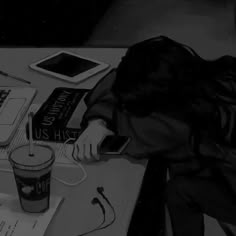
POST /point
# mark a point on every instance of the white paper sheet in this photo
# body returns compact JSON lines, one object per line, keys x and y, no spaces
{"x":15,"y":222}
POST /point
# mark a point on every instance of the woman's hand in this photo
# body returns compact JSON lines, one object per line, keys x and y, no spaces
{"x":87,"y":145}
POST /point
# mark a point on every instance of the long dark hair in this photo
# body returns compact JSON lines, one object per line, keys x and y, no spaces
{"x":162,"y":75}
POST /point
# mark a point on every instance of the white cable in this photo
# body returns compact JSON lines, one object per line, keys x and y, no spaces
{"x":56,"y":178}
{"x":74,"y":162}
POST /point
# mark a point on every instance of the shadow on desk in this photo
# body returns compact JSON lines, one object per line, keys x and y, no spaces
{"x":148,"y":217}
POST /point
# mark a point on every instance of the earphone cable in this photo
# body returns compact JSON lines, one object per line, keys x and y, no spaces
{"x":63,"y":150}
{"x":112,"y":208}
{"x":99,"y":226}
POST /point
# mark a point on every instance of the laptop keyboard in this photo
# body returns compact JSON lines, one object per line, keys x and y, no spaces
{"x":3,"y":95}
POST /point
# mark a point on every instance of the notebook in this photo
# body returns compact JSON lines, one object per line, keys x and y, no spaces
{"x":14,"y":103}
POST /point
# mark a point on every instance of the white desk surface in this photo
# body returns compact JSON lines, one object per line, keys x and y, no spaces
{"x":16,"y":61}
{"x":121,"y":177}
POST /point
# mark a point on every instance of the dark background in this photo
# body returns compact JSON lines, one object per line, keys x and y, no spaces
{"x":49,"y":22}
{"x":117,"y":23}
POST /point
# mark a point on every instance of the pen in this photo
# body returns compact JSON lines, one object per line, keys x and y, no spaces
{"x":14,"y":77}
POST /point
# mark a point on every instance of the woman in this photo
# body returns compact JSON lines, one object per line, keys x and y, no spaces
{"x":178,"y":107}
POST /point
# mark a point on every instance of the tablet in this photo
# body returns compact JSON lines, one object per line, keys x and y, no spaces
{"x":69,"y":66}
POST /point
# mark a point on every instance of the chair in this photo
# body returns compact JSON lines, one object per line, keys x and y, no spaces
{"x":146,"y":221}
{"x":230,"y":230}
{"x":213,"y":227}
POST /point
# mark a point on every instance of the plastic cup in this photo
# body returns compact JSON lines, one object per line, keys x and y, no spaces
{"x":33,"y":176}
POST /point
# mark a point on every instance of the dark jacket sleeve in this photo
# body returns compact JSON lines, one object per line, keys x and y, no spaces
{"x":101,"y":102}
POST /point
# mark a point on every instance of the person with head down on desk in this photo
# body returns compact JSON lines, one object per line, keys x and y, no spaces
{"x":177,"y":108}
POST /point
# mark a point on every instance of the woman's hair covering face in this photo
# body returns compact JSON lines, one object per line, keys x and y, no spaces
{"x":155,"y":74}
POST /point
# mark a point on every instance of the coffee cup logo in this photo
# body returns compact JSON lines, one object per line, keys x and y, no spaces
{"x":34,"y":188}
{"x":27,"y":189}
{"x":43,"y":186}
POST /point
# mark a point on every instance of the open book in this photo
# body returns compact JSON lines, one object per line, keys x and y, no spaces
{"x":15,"y":222}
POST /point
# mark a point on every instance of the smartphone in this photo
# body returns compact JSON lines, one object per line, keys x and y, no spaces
{"x":113,"y":144}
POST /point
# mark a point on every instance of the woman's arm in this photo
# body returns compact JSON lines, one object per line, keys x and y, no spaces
{"x":97,"y":121}
{"x":101,"y":102}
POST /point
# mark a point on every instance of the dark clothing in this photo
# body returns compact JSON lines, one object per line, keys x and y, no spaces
{"x":189,"y":197}
{"x":156,"y":136}
{"x":163,"y":136}
{"x":152,"y":135}
{"x":148,"y":217}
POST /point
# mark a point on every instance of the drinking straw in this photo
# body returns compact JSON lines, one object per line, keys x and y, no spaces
{"x":31,"y":144}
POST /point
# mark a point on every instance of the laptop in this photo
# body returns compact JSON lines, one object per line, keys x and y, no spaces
{"x":14,"y":103}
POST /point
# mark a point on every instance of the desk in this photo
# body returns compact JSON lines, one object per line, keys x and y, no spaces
{"x":121,"y":176}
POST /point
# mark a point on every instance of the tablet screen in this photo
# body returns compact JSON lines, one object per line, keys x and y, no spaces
{"x":67,"y":64}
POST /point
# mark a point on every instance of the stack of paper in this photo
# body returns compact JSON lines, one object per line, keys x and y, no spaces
{"x":15,"y":222}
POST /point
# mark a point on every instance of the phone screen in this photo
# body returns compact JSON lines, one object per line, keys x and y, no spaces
{"x":113,"y":144}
